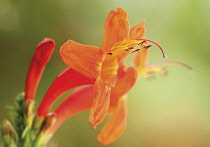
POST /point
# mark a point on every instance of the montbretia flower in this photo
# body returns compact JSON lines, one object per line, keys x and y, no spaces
{"x":105,"y":79}
{"x":101,"y":64}
{"x":41,"y":57}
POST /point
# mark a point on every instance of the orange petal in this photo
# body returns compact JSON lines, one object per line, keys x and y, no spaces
{"x":124,"y":84}
{"x":141,"y":58}
{"x":101,"y":101}
{"x":116,"y":28}
{"x":138,"y":31}
{"x":78,"y":101}
{"x":41,"y":57}
{"x":116,"y":125}
{"x":86,"y":60}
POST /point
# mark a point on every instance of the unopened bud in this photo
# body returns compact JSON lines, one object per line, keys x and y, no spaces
{"x":29,"y":108}
{"x":8,"y":133}
{"x":44,"y":134}
{"x":48,"y":122}
{"x":6,"y":128}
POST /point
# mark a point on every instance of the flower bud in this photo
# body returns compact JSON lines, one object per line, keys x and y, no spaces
{"x":48,"y":122}
{"x":8,"y":133}
{"x":29,"y":108}
{"x":44,"y":134}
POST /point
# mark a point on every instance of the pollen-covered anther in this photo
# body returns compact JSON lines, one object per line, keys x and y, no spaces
{"x":129,"y":49}
{"x":141,"y":43}
{"x":148,"y":46}
{"x":135,"y":50}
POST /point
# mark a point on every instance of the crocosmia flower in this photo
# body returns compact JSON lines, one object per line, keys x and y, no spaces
{"x":104,"y":77}
{"x":102,"y":64}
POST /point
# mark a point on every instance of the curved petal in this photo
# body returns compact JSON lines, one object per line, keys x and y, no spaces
{"x":138,"y":31}
{"x":116,"y":28}
{"x":101,"y":102}
{"x":124,"y":84}
{"x":41,"y":57}
{"x":85,"y":59}
{"x":141,"y":58}
{"x":78,"y":101}
{"x":66,"y":81}
{"x":116,"y":125}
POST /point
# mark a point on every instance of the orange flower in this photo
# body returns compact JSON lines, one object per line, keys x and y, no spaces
{"x":102,"y":64}
{"x":104,"y":67}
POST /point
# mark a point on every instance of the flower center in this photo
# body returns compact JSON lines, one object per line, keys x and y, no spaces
{"x":118,"y":53}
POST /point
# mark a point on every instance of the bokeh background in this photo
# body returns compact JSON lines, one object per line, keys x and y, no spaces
{"x":171,"y":111}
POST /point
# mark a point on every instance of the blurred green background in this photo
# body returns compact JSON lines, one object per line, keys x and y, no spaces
{"x":172,"y":111}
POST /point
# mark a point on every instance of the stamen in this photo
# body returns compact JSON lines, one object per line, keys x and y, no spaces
{"x":109,"y":53}
{"x":129,"y":49}
{"x":141,"y":43}
{"x":173,"y":63}
{"x":135,"y":50}
{"x":164,"y":56}
{"x":148,"y":46}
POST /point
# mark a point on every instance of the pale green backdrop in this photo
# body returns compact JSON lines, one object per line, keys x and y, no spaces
{"x":172,"y":111}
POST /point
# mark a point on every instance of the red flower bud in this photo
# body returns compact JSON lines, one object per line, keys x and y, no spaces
{"x":41,"y":56}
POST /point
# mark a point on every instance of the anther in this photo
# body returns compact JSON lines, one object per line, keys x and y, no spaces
{"x":128,"y":49}
{"x":148,"y":46}
{"x":141,"y":43}
{"x":109,"y":53}
{"x":135,"y":50}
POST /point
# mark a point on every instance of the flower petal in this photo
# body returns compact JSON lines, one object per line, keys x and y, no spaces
{"x":138,"y":31}
{"x":116,"y":125}
{"x":66,"y":81}
{"x":141,"y":58}
{"x":116,"y":28}
{"x":85,"y":59}
{"x":41,"y":57}
{"x":78,"y":101}
{"x":101,"y":102}
{"x":124,"y":84}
